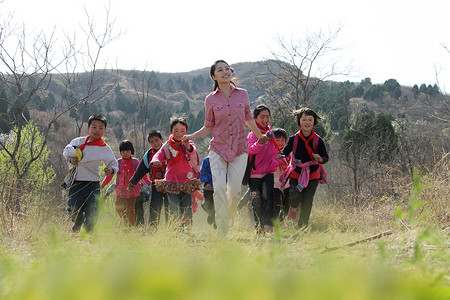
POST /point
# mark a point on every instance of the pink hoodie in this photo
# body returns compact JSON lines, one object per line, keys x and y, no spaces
{"x":180,"y":171}
{"x":265,"y":162}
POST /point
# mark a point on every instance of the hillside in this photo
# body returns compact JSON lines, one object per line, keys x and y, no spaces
{"x":171,"y":90}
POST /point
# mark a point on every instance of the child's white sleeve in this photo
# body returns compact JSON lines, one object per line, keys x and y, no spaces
{"x":68,"y":152}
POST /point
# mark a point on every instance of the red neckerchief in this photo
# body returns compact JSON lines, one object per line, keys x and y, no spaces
{"x":263,"y":129}
{"x":177,"y":146}
{"x":100,"y":142}
{"x":266,"y":129}
{"x":308,"y":148}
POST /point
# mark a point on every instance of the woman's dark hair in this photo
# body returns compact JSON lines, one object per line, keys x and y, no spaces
{"x":280,"y":132}
{"x":307,"y":111}
{"x":153,"y":133}
{"x":212,"y":70}
{"x":259,"y":109}
{"x":178,"y":119}
{"x":96,"y":117}
{"x":126,"y":145}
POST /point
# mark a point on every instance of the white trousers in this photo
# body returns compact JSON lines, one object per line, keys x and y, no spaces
{"x":227,"y":182}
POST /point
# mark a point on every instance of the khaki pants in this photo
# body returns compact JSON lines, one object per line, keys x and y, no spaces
{"x":227,"y":182}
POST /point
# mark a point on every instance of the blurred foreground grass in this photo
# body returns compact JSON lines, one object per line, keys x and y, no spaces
{"x":122,"y":263}
{"x":42,"y":259}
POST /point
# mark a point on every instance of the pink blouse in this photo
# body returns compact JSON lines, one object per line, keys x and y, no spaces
{"x":228,"y":117}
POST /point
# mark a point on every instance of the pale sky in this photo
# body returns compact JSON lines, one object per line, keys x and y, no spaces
{"x":382,"y":39}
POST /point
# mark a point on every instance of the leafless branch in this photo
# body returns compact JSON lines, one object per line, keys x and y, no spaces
{"x":299,"y":67}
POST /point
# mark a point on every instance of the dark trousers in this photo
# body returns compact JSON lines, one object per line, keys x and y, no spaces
{"x":281,"y":203}
{"x":82,"y":203}
{"x":303,"y":199}
{"x":156,"y":204}
{"x":180,"y":207}
{"x":261,"y":190}
{"x":139,"y":207}
{"x":208,"y":206}
{"x":157,"y":200}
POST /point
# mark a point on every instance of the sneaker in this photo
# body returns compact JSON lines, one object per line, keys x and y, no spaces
{"x":293,"y":212}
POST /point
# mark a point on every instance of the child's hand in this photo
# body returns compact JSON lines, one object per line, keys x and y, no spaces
{"x":318,"y":157}
{"x":156,"y":163}
{"x":187,"y":145}
{"x":208,"y":187}
{"x":278,"y":156}
{"x":186,"y":138}
{"x":74,"y":161}
{"x":263,"y":140}
{"x":108,"y":171}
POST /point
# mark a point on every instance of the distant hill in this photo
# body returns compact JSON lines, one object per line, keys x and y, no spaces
{"x":186,"y":91}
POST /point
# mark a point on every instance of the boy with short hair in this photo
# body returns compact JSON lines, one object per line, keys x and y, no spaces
{"x":83,"y":193}
{"x":155,"y":140}
{"x":280,"y":195}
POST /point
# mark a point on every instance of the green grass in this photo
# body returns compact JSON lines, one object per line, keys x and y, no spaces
{"x":118,"y":262}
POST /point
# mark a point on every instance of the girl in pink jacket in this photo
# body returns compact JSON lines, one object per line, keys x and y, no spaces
{"x":182,"y":172}
{"x":264,"y":164}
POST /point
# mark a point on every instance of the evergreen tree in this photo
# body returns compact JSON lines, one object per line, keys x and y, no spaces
{"x":170,"y":87}
{"x":415,"y":89}
{"x":3,"y":102}
{"x":375,"y":92}
{"x":393,"y":88}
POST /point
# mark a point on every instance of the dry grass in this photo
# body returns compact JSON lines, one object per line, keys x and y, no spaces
{"x":42,"y":259}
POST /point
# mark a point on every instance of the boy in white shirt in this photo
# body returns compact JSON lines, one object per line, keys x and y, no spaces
{"x":83,"y":193}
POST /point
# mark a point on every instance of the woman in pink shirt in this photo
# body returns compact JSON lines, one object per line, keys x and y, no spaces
{"x":182,"y":172}
{"x":227,"y":110}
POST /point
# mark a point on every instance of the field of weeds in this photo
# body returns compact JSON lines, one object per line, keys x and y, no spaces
{"x":385,"y":250}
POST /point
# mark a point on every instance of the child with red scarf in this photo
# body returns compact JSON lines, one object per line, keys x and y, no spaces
{"x":125,"y":198}
{"x":182,"y":172}
{"x":280,"y":194}
{"x":84,"y":191}
{"x":262,"y":173}
{"x":158,"y":199}
{"x":308,"y":152}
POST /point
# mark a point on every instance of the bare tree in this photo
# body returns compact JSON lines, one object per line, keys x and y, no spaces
{"x":28,"y":67}
{"x":83,"y":89}
{"x":441,"y":102}
{"x":142,"y":82}
{"x":299,"y":67}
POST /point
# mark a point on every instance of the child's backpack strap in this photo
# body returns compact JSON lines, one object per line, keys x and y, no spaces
{"x":135,"y":164}
{"x":146,"y":158}
{"x":294,"y":147}
{"x":119,"y":162}
{"x":316,"y":139}
{"x":166,"y":150}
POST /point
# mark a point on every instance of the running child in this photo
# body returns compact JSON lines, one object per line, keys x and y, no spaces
{"x":125,"y":198}
{"x":264,"y":165}
{"x":208,"y":191}
{"x":182,"y":173}
{"x":280,"y":195}
{"x":308,"y":153}
{"x":85,"y":189}
{"x":154,"y":172}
